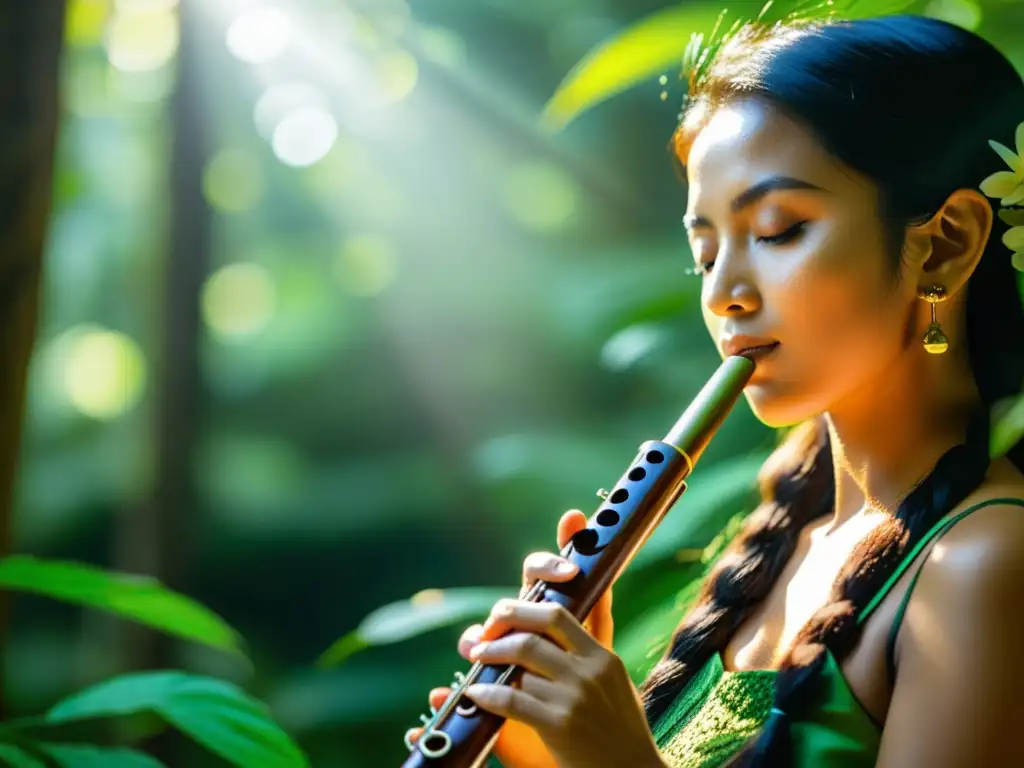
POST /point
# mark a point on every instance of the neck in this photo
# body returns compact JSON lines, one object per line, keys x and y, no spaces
{"x":887,"y":437}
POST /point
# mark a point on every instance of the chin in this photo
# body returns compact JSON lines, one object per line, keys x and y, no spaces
{"x":775,"y":407}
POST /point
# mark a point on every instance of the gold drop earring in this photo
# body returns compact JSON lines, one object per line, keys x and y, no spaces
{"x":935,"y":341}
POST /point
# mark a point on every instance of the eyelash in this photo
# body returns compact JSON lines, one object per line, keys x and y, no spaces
{"x":787,"y":236}
{"x":783,"y":238}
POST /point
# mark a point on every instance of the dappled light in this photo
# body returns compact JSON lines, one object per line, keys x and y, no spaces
{"x":342,"y":303}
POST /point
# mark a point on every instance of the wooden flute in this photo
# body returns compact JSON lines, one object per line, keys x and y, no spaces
{"x":458,"y":734}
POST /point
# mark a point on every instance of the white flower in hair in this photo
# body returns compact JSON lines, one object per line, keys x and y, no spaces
{"x":1008,"y":185}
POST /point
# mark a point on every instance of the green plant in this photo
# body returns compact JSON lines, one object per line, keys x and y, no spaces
{"x":675,"y":37}
{"x":214,"y":713}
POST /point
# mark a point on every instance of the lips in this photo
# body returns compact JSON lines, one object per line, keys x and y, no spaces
{"x":754,"y":347}
{"x":760,"y":353}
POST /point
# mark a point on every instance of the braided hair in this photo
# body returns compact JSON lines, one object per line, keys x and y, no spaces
{"x":909,"y":102}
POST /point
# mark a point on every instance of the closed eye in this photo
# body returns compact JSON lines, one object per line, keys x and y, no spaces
{"x":782,"y":238}
{"x":786,"y":236}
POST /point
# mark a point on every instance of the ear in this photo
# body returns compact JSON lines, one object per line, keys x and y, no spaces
{"x":945,"y":250}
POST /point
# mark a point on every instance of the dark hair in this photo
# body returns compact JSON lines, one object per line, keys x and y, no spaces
{"x":909,"y":102}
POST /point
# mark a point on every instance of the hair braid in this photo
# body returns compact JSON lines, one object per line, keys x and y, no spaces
{"x":834,"y":628}
{"x":901,"y":70}
{"x":796,"y":487}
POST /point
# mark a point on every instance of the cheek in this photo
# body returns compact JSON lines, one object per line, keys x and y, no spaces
{"x":840,"y":324}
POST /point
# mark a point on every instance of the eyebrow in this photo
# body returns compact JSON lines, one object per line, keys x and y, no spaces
{"x":753,"y":194}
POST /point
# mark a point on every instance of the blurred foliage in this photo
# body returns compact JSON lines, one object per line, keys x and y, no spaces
{"x":136,"y":598}
{"x":684,"y":37}
{"x":215,"y":714}
{"x":430,"y":327}
{"x":404,"y":619}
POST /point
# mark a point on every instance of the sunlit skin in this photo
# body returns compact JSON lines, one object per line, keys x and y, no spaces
{"x":791,"y":250}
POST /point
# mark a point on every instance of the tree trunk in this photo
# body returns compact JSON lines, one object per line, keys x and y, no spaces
{"x":155,"y":537}
{"x":31,"y":34}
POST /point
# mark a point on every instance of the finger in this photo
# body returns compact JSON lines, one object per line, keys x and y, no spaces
{"x":548,"y":567}
{"x":439,"y":696}
{"x":571,"y":522}
{"x":469,"y":638}
{"x":530,"y":651}
{"x":541,"y":688}
{"x":600,"y":622}
{"x":412,"y":734}
{"x":602,"y":609}
{"x":549,"y":619}
{"x":511,"y":703}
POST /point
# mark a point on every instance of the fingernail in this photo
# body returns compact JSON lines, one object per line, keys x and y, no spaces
{"x":475,"y":690}
{"x":566,"y":568}
{"x":476,"y":650}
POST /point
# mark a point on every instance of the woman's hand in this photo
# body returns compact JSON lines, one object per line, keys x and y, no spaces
{"x":575,"y":693}
{"x":518,"y":744}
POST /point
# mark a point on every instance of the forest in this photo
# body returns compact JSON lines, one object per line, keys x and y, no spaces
{"x":318,"y":315}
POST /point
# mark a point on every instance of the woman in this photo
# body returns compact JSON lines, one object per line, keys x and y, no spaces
{"x":868,"y":612}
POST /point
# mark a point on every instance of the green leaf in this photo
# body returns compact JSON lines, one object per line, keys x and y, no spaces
{"x":668,"y":595}
{"x":139,"y":598}
{"x":658,"y":43}
{"x":712,"y":496}
{"x":1007,"y":425}
{"x":11,"y":755}
{"x":641,"y":51}
{"x":88,"y":756}
{"x":425,"y":611}
{"x":216,"y":714}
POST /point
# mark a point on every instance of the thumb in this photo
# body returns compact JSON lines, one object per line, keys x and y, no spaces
{"x":571,"y":522}
{"x":600,"y":622}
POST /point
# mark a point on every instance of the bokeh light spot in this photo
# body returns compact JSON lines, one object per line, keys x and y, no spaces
{"x":259,"y":35}
{"x":146,"y":86}
{"x":86,"y":21}
{"x":238,"y":300}
{"x":365,"y":265}
{"x":392,"y":17}
{"x":304,"y":137}
{"x":141,"y":40}
{"x":442,"y":46}
{"x":279,"y":101}
{"x":233,"y":180}
{"x":103,"y":372}
{"x":539,"y":196}
{"x":427,"y":597}
{"x":145,"y":5}
{"x":85,"y":87}
{"x":397,"y":73}
{"x":501,"y":458}
{"x":343,"y":168}
{"x":629,"y":346}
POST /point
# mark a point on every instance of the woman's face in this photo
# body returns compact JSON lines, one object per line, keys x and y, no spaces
{"x":792,"y":251}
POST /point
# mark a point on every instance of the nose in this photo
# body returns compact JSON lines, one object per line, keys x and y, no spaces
{"x":731,"y":289}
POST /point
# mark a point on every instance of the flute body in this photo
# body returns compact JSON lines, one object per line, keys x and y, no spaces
{"x":461,"y":735}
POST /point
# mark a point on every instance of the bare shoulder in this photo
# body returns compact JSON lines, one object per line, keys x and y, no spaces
{"x":981,"y":552}
{"x":959,"y":662}
{"x":994,"y":531}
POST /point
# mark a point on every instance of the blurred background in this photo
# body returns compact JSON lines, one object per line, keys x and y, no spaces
{"x":332,"y":330}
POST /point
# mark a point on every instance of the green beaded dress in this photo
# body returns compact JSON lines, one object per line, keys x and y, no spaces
{"x":719,"y":710}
